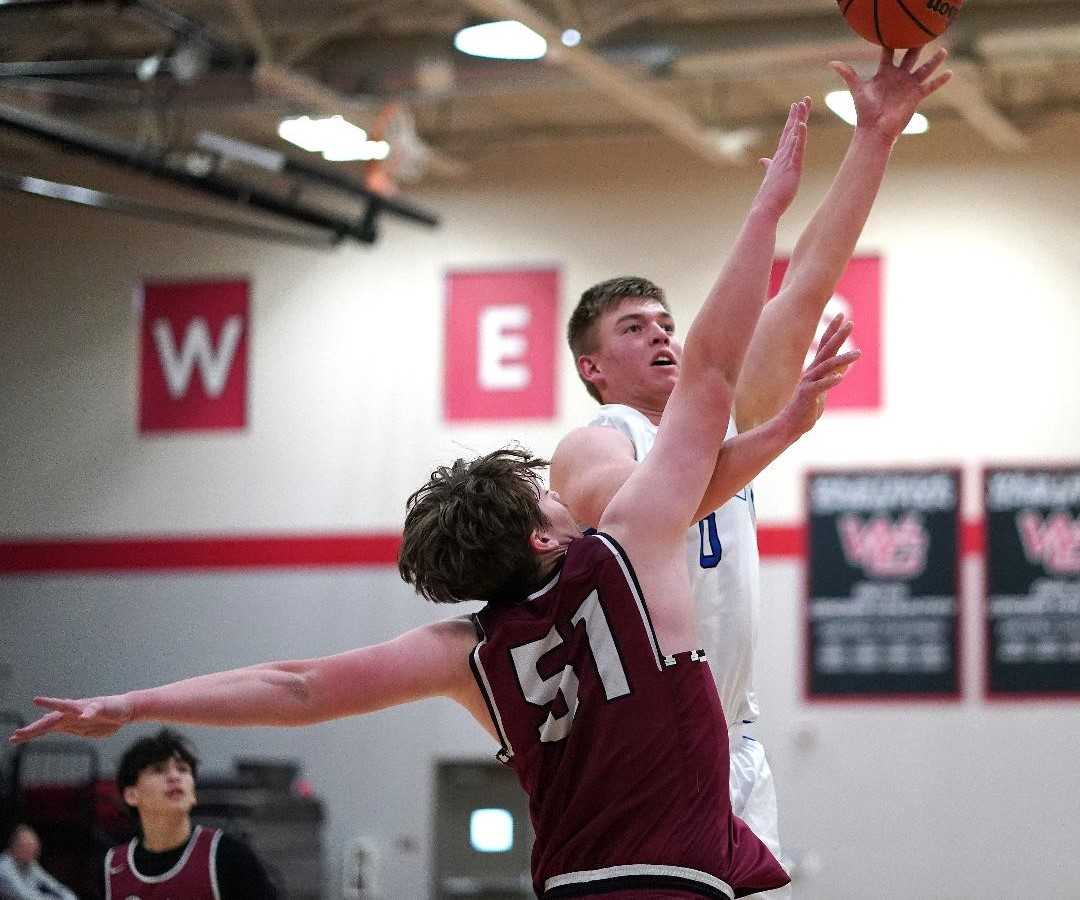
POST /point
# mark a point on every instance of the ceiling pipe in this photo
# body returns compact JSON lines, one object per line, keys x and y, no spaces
{"x":155,"y":161}
{"x":94,"y":199}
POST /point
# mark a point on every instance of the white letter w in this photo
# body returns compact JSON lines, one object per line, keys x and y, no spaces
{"x":213,"y":367}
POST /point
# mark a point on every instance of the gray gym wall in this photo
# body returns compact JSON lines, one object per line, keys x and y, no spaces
{"x":981,"y":325}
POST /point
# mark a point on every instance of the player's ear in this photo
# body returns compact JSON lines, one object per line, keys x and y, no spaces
{"x":541,"y":541}
{"x":131,"y":795}
{"x":538,"y":540}
{"x":590,"y":371}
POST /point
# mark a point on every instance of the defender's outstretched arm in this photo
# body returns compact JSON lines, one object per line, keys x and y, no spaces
{"x":425,"y":662}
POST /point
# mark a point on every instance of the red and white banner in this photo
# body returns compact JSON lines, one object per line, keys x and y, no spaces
{"x":857,"y":296}
{"x":500,"y":345}
{"x":193,"y":347}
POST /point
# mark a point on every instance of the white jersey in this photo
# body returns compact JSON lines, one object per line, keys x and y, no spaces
{"x":722,"y":556}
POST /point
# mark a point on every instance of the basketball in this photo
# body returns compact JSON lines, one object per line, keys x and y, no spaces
{"x":900,"y":24}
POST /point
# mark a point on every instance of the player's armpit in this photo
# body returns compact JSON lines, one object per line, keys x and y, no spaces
{"x":588,"y":468}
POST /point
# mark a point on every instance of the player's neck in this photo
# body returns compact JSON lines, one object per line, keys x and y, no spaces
{"x":164,"y":833}
{"x":652,"y":408}
{"x":649,"y":403}
{"x":550,"y":563}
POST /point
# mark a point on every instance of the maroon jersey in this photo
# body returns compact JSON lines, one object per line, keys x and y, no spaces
{"x":623,"y":751}
{"x":194,"y":877}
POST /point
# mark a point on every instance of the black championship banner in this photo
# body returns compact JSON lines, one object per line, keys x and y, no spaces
{"x":883,"y":577}
{"x":1033,"y":580}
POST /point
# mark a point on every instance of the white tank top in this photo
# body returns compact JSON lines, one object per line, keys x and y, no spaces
{"x":722,"y":555}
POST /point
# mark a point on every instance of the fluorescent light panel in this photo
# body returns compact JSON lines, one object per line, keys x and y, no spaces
{"x":336,"y":139}
{"x":501,"y":40}
{"x":843,"y":104}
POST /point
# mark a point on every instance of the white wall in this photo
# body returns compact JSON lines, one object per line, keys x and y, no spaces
{"x":981,"y":327}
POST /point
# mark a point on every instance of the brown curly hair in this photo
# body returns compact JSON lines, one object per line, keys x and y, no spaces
{"x":467,"y":530}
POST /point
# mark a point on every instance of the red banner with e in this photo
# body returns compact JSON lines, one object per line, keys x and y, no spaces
{"x":857,"y":296}
{"x":500,"y":345}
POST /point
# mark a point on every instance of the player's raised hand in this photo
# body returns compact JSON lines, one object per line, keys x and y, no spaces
{"x":886,"y":102}
{"x":95,"y":717}
{"x":823,"y":374}
{"x":784,"y":170}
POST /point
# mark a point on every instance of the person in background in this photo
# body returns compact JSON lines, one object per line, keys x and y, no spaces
{"x":171,"y":857}
{"x":21,"y":875}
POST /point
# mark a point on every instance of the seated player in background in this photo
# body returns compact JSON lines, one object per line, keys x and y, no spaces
{"x":584,"y":664}
{"x":21,"y":875}
{"x":171,"y":857}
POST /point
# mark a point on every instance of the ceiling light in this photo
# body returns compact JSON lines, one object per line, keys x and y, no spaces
{"x":336,"y":139}
{"x":501,"y":40}
{"x":571,"y":37}
{"x":843,"y":104}
{"x":364,"y":150}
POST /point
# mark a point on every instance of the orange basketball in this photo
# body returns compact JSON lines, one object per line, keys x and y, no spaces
{"x":900,"y":24}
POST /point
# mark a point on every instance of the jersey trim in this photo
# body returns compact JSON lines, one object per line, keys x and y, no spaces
{"x":507,"y":751}
{"x":108,"y":873}
{"x":180,"y":863}
{"x":635,"y":589}
{"x":547,"y":587}
{"x":613,"y":878}
{"x":213,"y":865}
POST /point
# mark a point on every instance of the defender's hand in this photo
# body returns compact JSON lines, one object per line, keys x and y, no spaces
{"x":825,"y":372}
{"x":784,"y":170}
{"x":885,"y":103}
{"x":95,"y":717}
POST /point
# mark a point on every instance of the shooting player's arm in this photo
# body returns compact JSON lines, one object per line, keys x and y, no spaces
{"x":884,"y":104}
{"x":587,"y":469}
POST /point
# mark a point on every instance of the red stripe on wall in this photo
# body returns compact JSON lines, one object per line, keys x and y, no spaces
{"x":134,"y":554}
{"x":142,"y":554}
{"x":781,"y":540}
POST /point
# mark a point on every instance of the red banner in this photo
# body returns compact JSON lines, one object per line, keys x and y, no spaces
{"x":193,"y":345}
{"x":857,"y":296}
{"x":500,"y":345}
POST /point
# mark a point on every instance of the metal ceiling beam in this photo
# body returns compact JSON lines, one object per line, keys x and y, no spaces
{"x":600,"y":27}
{"x":13,"y":5}
{"x":635,"y":97}
{"x":94,"y":199}
{"x":965,"y":94}
{"x":754,"y":63}
{"x":72,"y":68}
{"x":252,"y":28}
{"x":155,"y":161}
{"x":345,"y":25}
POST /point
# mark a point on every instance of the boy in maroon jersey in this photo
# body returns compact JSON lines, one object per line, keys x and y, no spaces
{"x":171,"y":857}
{"x":583,"y":665}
